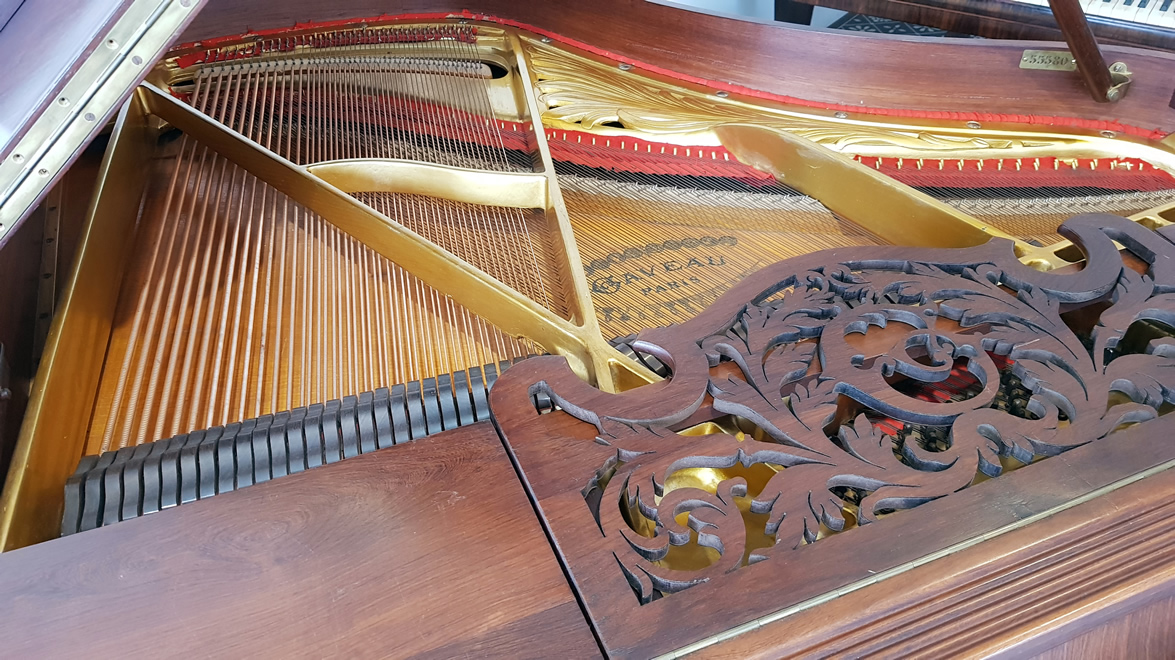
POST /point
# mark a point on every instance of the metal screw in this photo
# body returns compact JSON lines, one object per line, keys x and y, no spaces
{"x":545,"y":40}
{"x":722,"y":94}
{"x":89,"y":116}
{"x":43,"y":172}
{"x":625,"y":66}
{"x":1113,"y":95}
{"x":841,"y":115}
{"x":973,"y":125}
{"x":1109,"y":134}
{"x":5,"y":394}
{"x":136,"y":60}
{"x":1118,"y":67}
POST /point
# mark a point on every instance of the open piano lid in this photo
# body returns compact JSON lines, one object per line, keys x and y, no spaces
{"x":70,"y":64}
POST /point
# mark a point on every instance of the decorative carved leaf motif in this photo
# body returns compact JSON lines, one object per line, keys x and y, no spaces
{"x":853,"y":386}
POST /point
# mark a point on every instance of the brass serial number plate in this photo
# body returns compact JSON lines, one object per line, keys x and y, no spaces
{"x":1048,"y":60}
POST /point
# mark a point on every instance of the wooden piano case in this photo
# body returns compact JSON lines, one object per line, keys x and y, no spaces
{"x":951,"y":447}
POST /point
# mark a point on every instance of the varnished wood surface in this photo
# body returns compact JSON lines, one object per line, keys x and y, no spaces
{"x":43,"y":42}
{"x":594,"y":465}
{"x":1003,"y":19}
{"x":427,"y":549}
{"x":1147,"y":632}
{"x":1085,"y":569}
{"x":943,"y":75}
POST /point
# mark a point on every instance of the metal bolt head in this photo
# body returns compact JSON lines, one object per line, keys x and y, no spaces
{"x":722,"y":94}
{"x":1113,"y":95}
{"x":5,"y":394}
{"x":625,"y":66}
{"x":1109,"y":134}
{"x":1118,"y":67}
{"x":841,"y":115}
{"x":973,"y":125}
{"x":545,"y":40}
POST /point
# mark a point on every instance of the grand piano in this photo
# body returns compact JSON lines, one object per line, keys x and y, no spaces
{"x":535,"y":329}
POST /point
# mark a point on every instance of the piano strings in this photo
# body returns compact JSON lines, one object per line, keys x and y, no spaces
{"x":245,"y":303}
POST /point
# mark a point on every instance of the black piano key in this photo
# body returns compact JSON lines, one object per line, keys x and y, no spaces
{"x":207,"y":464}
{"x":416,"y":426}
{"x":331,"y":450}
{"x":226,"y":464}
{"x":185,"y":471}
{"x":398,"y":407}
{"x":366,"y":416}
{"x":432,"y":410}
{"x":1165,"y":6}
{"x":314,"y":442}
{"x":384,"y":431}
{"x":75,"y":496}
{"x":462,"y":400}
{"x":1143,"y":4}
{"x":296,"y":440}
{"x":259,"y":442}
{"x":479,"y":391}
{"x":112,"y":484}
{"x":243,"y":453}
{"x":278,"y":450}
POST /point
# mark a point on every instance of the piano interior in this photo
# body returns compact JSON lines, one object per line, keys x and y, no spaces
{"x":597,"y":194}
{"x":353,"y":228}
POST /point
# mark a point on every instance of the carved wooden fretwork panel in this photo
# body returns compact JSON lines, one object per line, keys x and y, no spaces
{"x":834,"y":391}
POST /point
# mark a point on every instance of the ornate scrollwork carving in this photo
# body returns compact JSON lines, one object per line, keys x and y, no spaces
{"x":584,"y":94}
{"x":829,"y":391}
